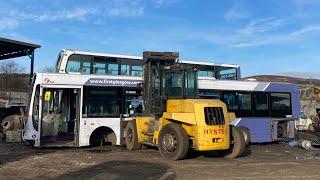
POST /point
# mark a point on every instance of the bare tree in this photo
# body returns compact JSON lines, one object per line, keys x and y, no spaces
{"x":48,"y":69}
{"x":12,"y":75}
{"x":10,"y":67}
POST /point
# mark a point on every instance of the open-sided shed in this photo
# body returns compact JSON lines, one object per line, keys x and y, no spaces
{"x":10,"y":48}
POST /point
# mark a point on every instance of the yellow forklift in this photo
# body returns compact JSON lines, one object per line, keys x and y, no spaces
{"x":174,"y":119}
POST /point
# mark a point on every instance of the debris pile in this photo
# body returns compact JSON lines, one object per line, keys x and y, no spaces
{"x":307,"y":140}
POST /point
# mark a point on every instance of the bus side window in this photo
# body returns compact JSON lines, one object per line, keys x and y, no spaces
{"x":238,"y":102}
{"x":125,"y":70}
{"x":261,"y":104}
{"x":280,"y":105}
{"x":99,"y":65}
{"x":244,"y":103}
{"x":79,"y":63}
{"x":206,"y":71}
{"x":230,"y":99}
{"x":229,"y":73}
{"x":100,"y":102}
{"x":112,"y":66}
{"x":136,"y":70}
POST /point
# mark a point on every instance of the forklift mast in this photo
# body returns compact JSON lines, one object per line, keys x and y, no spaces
{"x":165,"y":78}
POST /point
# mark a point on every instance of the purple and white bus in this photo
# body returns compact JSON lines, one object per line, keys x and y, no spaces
{"x":267,"y":110}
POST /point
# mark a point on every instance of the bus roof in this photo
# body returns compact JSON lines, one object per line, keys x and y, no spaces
{"x":232,"y":85}
{"x":101,"y":54}
{"x":209,"y":63}
{"x":140,"y":58}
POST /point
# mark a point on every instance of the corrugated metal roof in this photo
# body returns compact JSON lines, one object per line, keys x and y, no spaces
{"x":12,"y":48}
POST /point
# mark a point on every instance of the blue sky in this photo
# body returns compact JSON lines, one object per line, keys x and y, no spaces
{"x":264,"y":37}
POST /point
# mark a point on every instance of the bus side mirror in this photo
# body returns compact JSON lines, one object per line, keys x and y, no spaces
{"x":47,"y":96}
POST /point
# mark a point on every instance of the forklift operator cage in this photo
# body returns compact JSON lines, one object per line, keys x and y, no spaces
{"x":165,"y":78}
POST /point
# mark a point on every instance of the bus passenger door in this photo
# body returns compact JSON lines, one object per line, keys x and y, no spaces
{"x":60,"y":114}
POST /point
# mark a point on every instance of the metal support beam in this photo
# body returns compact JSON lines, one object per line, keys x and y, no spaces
{"x":31,"y":64}
{"x":30,"y":54}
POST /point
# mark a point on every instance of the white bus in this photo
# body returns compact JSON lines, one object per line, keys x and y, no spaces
{"x":81,"y":62}
{"x":80,"y":110}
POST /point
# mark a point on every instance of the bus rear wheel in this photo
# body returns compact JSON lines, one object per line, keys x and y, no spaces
{"x":173,"y":142}
{"x":131,"y":137}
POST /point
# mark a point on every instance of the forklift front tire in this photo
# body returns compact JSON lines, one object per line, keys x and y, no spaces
{"x":246,"y":134}
{"x":173,"y":142}
{"x":237,"y":144}
{"x":131,"y":137}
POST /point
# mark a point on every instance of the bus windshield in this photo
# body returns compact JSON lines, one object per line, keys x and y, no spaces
{"x":58,"y":64}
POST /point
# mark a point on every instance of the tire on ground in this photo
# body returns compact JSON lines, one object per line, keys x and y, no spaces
{"x":111,"y":138}
{"x":180,"y":146}
{"x":246,"y":134}
{"x":237,"y":143}
{"x":11,"y":122}
{"x":311,"y":128}
{"x":131,"y":136}
{"x":7,"y":124}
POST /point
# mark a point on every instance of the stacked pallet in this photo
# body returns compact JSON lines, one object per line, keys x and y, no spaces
{"x":12,"y":99}
{"x":4,"y":99}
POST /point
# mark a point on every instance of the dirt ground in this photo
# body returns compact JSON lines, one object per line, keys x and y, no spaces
{"x":268,"y":161}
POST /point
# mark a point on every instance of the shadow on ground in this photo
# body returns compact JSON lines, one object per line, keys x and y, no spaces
{"x":122,"y":170}
{"x":213,"y":154}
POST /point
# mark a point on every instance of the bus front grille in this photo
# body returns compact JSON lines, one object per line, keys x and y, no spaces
{"x":214,"y":116}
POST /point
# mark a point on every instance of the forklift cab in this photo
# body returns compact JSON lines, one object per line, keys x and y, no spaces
{"x":165,"y":78}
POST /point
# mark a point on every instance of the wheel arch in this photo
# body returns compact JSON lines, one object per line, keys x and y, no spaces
{"x":186,"y":126}
{"x":101,"y":131}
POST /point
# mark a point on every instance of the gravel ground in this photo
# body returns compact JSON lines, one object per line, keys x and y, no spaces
{"x":266,"y":161}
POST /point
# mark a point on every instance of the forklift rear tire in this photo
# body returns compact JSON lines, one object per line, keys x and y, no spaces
{"x":237,"y":144}
{"x":173,"y":142}
{"x":246,"y":134}
{"x":131,"y":137}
